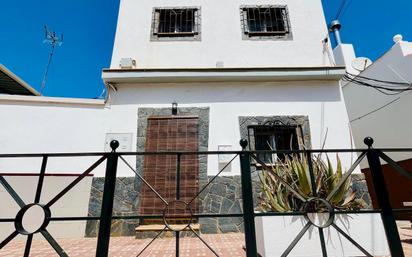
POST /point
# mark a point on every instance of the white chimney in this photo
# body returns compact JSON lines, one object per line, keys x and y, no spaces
{"x":344,"y":53}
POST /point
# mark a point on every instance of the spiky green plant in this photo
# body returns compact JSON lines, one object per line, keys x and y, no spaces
{"x":294,"y":170}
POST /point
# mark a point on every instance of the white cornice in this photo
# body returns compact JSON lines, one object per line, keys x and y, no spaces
{"x":119,"y":76}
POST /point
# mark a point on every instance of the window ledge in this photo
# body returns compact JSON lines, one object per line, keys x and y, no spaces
{"x":266,"y":33}
{"x":175,"y":34}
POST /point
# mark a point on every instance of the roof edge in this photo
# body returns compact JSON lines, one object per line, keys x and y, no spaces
{"x":19,"y":80}
{"x":51,"y":100}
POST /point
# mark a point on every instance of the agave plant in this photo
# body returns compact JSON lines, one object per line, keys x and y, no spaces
{"x":294,"y":170}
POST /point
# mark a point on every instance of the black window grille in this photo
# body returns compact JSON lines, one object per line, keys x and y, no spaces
{"x":176,"y":22}
{"x":274,"y":137}
{"x":265,"y":21}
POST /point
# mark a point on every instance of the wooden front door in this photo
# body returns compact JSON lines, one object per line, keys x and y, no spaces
{"x":172,"y":133}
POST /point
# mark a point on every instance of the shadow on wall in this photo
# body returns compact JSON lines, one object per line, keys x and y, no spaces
{"x":228,"y":92}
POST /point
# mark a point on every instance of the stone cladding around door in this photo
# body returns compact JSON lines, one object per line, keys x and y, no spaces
{"x":224,"y":196}
{"x":127,"y":199}
{"x":125,"y":203}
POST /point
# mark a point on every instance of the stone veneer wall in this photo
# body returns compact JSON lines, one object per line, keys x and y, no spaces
{"x":360,"y":186}
{"x":223,"y":195}
{"x":125,"y":203}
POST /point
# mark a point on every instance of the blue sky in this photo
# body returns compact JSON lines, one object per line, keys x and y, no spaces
{"x":89,"y":27}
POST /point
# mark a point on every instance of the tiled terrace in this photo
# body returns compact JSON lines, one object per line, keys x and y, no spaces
{"x":229,"y":245}
{"x":224,"y":245}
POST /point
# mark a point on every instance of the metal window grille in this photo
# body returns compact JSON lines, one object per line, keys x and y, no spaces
{"x":272,"y":138}
{"x":176,"y":22}
{"x":265,"y":21}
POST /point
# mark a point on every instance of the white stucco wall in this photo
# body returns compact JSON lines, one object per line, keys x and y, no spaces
{"x":31,"y":128}
{"x":322,"y":102}
{"x":388,"y":125}
{"x":221,"y":37}
{"x":74,"y":203}
{"x":36,"y":127}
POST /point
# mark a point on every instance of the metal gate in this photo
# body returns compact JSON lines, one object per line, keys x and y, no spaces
{"x":248,"y":213}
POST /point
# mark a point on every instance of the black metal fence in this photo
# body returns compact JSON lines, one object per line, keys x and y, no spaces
{"x":248,"y":213}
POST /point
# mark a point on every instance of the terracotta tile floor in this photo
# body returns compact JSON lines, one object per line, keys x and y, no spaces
{"x":228,"y":245}
{"x":224,"y":245}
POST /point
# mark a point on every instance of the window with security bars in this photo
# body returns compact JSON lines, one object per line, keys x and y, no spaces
{"x":176,"y":23}
{"x":264,"y":21}
{"x":272,"y":138}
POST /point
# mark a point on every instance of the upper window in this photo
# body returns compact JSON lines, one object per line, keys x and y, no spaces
{"x":261,"y":22}
{"x":274,"y":137}
{"x":176,"y":23}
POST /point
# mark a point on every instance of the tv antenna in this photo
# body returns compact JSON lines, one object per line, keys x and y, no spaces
{"x":50,"y":38}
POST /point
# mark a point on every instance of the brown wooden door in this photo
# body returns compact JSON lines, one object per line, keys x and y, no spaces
{"x":177,"y":133}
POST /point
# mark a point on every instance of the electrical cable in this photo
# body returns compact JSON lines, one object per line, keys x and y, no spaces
{"x":46,"y":71}
{"x":384,"y":87}
{"x":377,"y":80}
{"x":346,"y":9}
{"x":342,"y":4}
{"x":378,"y":109}
{"x":53,"y":40}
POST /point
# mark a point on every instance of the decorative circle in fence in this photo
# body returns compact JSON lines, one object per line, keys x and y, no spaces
{"x":177,"y":212}
{"x":32,"y":218}
{"x":319,"y":212}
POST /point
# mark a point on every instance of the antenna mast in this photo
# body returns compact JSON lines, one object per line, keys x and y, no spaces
{"x":50,"y":38}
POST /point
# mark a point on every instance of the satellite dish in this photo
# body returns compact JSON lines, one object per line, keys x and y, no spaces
{"x":361,"y":63}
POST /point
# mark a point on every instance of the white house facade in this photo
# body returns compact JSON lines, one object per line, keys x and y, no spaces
{"x":214,"y":71}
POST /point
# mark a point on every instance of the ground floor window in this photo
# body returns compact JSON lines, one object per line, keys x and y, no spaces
{"x":275,"y":137}
{"x":275,"y":133}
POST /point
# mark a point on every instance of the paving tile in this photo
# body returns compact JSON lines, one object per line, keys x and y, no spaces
{"x":227,"y":245}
